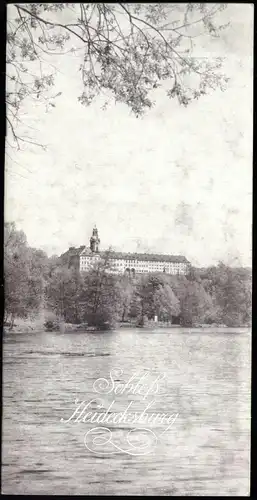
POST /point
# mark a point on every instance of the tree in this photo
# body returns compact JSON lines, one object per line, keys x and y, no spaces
{"x":101,"y":295}
{"x":25,"y":270}
{"x":166,"y":304}
{"x":196,"y":305}
{"x":126,"y":294}
{"x":156,"y":297}
{"x":38,"y":265}
{"x":16,"y":272}
{"x":135,"y":306}
{"x":233,"y":294}
{"x":64,"y":289}
{"x":127,"y":51}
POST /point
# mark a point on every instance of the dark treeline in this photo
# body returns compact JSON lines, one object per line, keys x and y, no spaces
{"x":34,"y":283}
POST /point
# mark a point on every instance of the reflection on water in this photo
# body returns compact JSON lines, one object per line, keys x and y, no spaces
{"x":207,"y":381}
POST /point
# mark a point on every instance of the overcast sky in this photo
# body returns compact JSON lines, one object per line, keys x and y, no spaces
{"x":177,"y":181}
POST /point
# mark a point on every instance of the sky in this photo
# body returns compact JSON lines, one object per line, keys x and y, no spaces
{"x":177,"y":181}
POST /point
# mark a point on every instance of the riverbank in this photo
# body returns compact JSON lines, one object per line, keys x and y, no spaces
{"x":44,"y":324}
{"x":41,"y":325}
{"x":25,"y":326}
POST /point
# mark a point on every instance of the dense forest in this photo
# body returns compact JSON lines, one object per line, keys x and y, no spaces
{"x":36,"y":283}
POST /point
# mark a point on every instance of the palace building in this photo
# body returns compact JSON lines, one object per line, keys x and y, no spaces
{"x":84,"y":258}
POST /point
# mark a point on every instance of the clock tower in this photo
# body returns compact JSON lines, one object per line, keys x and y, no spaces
{"x":94,"y":241}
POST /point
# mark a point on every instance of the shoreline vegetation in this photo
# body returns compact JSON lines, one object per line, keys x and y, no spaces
{"x":43,"y":294}
{"x":37,"y":326}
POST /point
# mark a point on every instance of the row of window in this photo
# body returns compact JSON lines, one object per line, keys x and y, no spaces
{"x":87,"y":260}
{"x":152,"y":268}
{"x":139,"y":271}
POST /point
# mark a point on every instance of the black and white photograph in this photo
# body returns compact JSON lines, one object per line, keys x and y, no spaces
{"x":127,"y":330}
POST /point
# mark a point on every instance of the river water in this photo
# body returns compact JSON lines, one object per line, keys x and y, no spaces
{"x":204,"y":379}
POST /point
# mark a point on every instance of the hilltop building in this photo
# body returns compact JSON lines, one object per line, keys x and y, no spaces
{"x":83,"y":258}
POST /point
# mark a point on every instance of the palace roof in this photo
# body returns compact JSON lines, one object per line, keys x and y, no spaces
{"x":85,"y":251}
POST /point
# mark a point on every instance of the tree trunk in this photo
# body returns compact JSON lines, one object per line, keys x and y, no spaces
{"x":12,"y":321}
{"x":123,"y":313}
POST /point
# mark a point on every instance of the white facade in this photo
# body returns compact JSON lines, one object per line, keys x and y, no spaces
{"x":87,"y":261}
{"x":121,"y":265}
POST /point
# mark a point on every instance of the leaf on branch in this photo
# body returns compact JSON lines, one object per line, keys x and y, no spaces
{"x":129,"y":50}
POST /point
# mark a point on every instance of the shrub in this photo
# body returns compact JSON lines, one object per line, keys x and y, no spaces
{"x":51,"y":326}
